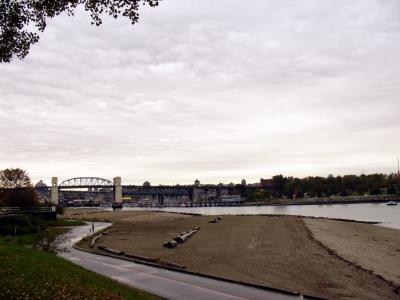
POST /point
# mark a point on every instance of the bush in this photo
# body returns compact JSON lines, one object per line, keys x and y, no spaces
{"x":24,"y":225}
{"x":21,"y":197}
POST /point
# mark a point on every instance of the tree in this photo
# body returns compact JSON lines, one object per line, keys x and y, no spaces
{"x":21,"y":20}
{"x":16,"y":189}
{"x":14,"y":178}
{"x":279,"y":183}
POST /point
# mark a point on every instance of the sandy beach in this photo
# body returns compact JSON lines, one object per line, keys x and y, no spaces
{"x":374,"y":248}
{"x":290,"y":253}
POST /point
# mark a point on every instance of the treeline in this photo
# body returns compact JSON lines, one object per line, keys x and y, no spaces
{"x":348,"y":185}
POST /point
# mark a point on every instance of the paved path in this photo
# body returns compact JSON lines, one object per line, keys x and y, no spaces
{"x":162,"y":282}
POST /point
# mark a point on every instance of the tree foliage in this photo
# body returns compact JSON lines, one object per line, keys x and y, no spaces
{"x":14,"y":178}
{"x":21,"y":20}
{"x":16,"y":189}
{"x":290,"y":187}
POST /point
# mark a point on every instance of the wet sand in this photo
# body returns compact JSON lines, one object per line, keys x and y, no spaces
{"x":279,"y":252}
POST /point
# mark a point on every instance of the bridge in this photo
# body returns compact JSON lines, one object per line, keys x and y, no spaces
{"x":86,"y":182}
{"x":170,"y":195}
{"x":93,"y":184}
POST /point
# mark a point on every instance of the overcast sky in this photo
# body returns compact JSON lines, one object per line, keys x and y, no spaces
{"x":215,"y":90}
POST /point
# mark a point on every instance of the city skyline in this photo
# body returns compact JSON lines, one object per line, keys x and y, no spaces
{"x":210,"y":91}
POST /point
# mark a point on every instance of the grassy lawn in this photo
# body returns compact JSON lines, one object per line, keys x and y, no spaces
{"x":63,"y":222}
{"x":32,"y":230}
{"x":30,"y":239}
{"x":27,"y":273}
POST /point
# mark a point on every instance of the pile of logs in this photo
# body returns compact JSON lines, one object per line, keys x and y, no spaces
{"x":216,"y":220}
{"x":181,"y":238}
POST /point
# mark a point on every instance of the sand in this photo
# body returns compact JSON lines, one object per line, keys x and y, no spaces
{"x":279,"y":252}
{"x":374,"y":248}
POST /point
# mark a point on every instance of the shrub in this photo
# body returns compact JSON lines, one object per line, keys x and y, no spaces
{"x":23,"y":224}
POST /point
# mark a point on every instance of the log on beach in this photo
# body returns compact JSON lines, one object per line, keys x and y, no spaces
{"x":184,"y":236}
{"x":170,"y":244}
{"x":216,"y":220}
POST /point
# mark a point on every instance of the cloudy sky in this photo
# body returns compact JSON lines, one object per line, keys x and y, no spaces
{"x":215,"y":90}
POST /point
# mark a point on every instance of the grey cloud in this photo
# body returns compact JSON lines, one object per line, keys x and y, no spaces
{"x":217,"y":90}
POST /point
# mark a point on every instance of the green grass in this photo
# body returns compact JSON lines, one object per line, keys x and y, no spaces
{"x":32,"y":238}
{"x":28,"y":224}
{"x":63,"y":222}
{"x":32,"y":274}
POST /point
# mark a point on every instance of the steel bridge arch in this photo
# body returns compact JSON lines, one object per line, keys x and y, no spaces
{"x":86,"y":182}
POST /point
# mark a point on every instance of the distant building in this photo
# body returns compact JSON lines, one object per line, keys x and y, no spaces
{"x":40,"y":184}
{"x":42,"y":191}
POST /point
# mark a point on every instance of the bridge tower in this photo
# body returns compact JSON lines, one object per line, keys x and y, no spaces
{"x":54,"y":190}
{"x":117,"y":193}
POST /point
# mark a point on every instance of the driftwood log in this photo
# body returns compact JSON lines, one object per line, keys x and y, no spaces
{"x":170,"y":244}
{"x":216,"y":220}
{"x":185,"y":235}
{"x":180,"y":238}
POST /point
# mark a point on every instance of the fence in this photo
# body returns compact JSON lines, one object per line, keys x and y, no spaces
{"x":45,"y":212}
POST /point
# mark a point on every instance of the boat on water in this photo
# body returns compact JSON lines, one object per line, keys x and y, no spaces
{"x":391,"y":203}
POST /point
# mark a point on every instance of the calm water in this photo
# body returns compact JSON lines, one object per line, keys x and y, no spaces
{"x":376,"y":212}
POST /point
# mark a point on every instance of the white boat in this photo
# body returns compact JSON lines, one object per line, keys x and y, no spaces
{"x":391,"y":203}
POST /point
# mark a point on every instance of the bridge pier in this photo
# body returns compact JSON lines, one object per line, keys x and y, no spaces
{"x":54,"y":190}
{"x":117,"y":193}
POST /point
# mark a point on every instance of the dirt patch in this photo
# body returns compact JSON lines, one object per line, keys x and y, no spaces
{"x":272,"y":251}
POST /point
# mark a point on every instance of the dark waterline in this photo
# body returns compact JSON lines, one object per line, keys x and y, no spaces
{"x":389,"y":216}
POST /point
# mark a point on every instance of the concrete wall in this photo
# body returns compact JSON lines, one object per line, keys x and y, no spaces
{"x":54,"y":190}
{"x":117,"y":190}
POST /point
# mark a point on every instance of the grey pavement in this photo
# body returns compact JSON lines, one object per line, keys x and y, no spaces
{"x":162,"y":282}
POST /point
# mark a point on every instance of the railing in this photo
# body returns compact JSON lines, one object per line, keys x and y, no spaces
{"x":10,"y":211}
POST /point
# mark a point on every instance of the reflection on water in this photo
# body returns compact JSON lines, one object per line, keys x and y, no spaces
{"x":375,"y":212}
